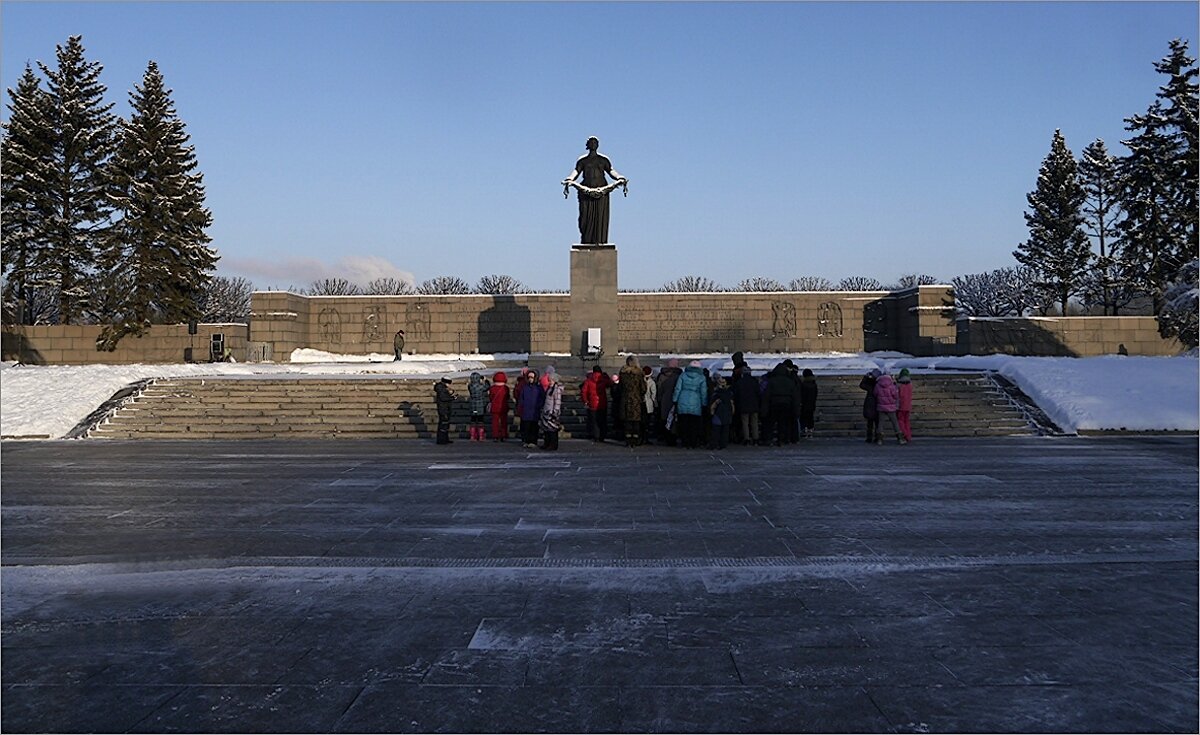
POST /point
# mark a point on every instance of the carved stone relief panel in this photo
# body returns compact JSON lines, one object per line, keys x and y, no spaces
{"x":374,"y":317}
{"x":829,"y":319}
{"x":418,"y":326}
{"x":329,"y":325}
{"x":784,"y":324}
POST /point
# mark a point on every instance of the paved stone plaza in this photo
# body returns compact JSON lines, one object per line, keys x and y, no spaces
{"x":1009,"y":584}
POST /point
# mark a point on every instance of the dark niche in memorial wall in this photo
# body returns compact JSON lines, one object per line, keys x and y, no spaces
{"x":506,"y":326}
{"x":876,"y":332}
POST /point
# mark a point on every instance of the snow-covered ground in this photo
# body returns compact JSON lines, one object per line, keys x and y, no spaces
{"x":1091,"y":393}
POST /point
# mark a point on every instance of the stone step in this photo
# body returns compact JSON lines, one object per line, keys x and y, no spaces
{"x":962,"y":405}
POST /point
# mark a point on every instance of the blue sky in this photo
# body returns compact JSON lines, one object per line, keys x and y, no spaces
{"x":760,"y":139}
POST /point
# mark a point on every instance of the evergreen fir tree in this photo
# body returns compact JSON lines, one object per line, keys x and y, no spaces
{"x":1101,"y":210}
{"x":1057,"y":249}
{"x":157,"y":254}
{"x":1180,"y":316}
{"x":1159,"y":179}
{"x":24,"y":193}
{"x":1152,"y":248}
{"x":1181,"y":100}
{"x":81,"y":128}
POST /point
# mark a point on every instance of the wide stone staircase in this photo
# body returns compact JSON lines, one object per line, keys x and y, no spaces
{"x":403,"y":408}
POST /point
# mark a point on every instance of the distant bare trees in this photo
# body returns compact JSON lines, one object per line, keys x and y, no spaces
{"x":334,"y":287}
{"x":692,"y":284}
{"x":810,"y":283}
{"x":859,"y":283}
{"x":760,"y":283}
{"x":499,"y":284}
{"x":226,"y":300}
{"x":388,"y":287}
{"x":443,"y":285}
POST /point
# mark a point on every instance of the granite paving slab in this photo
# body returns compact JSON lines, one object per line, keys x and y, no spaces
{"x":995,"y":584}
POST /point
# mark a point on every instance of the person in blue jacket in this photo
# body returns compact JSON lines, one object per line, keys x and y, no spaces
{"x":690,"y":397}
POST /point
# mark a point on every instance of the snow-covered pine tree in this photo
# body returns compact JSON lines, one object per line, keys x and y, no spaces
{"x":1181,"y":95}
{"x":82,"y":130}
{"x":1101,"y":210}
{"x":1159,"y":178}
{"x":1057,"y":249}
{"x":24,"y":194}
{"x":1152,"y":242}
{"x":1180,"y":315}
{"x":157,"y":253}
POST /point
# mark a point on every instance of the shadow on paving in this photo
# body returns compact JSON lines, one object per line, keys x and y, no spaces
{"x":1008,"y":585}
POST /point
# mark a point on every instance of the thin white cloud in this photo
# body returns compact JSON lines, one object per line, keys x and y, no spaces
{"x":283,"y":272}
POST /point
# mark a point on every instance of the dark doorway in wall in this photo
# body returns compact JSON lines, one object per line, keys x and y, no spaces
{"x":505,"y":327}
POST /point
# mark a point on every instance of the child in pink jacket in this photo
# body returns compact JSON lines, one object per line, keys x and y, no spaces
{"x":887,"y":398}
{"x":904,"y":412}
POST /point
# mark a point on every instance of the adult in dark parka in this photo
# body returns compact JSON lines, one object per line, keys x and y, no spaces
{"x":666,"y":389}
{"x":808,"y":402}
{"x":870,"y":407}
{"x":444,"y":398}
{"x":780,"y":401}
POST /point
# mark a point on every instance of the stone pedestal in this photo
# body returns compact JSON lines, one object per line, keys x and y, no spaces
{"x":594,"y":300}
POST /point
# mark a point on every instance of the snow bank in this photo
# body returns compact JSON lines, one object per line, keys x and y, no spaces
{"x":1091,"y":393}
{"x":1112,"y":392}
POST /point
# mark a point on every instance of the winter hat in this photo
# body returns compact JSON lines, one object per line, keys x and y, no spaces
{"x":446,"y":379}
{"x":875,"y":373}
{"x":903,"y":377}
{"x":789,"y":364}
{"x":808,"y":373}
{"x":694,"y":363}
{"x":500,"y":377}
{"x":646,"y":370}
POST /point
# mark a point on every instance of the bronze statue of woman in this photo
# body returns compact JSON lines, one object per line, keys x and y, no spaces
{"x":593,"y":192}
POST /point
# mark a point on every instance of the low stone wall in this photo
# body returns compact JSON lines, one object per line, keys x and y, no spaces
{"x":648,"y":322}
{"x":917,"y":321}
{"x":76,"y":344}
{"x":1072,"y":336}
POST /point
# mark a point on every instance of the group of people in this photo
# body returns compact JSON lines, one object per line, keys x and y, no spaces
{"x":684,"y":406}
{"x":890,"y":398}
{"x":537,"y":400}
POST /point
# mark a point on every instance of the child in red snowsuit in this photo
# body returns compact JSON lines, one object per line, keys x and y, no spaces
{"x":498,"y":406}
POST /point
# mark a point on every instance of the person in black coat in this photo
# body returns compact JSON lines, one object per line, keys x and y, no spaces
{"x":870,"y":407}
{"x":667,"y":377}
{"x":443,"y":397}
{"x":808,"y":403}
{"x":780,"y":400}
{"x":721,"y":407}
{"x":747,"y":401}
